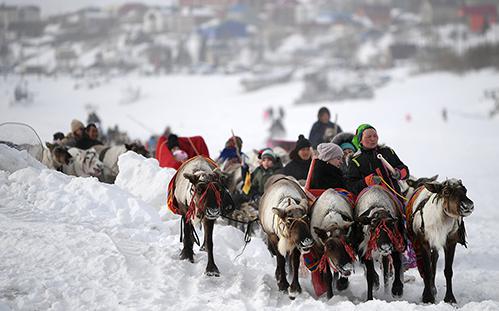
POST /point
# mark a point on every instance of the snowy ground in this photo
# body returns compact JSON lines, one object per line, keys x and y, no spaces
{"x":76,"y":244}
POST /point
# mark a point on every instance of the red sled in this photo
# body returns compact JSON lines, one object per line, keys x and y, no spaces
{"x":193,"y":146}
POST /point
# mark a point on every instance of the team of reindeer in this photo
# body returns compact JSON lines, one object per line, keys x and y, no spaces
{"x":374,"y":227}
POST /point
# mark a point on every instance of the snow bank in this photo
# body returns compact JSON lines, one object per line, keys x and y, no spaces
{"x":12,"y":160}
{"x":75,"y":244}
{"x":144,"y":178}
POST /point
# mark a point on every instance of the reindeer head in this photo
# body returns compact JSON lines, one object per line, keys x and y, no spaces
{"x":409,"y":185}
{"x":385,"y":233}
{"x":209,"y":195}
{"x":60,"y":155}
{"x":137,"y":148}
{"x":337,"y":247}
{"x":295,"y":224}
{"x":91,"y":164}
{"x":453,"y":194}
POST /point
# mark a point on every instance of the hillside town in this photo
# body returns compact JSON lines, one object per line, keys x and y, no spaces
{"x":338,"y":48}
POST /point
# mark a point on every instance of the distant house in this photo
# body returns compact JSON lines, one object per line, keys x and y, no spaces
{"x":479,"y":17}
{"x":439,"y":12}
{"x":22,"y":20}
{"x":284,"y":12}
{"x":219,"y":3}
{"x":132,"y":12}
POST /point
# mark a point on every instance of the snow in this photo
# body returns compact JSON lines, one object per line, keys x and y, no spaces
{"x":71,"y":243}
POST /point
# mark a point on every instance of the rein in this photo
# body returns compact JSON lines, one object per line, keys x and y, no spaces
{"x":281,"y":225}
{"x":395,"y":237}
{"x":325,"y":260}
{"x":193,"y":207}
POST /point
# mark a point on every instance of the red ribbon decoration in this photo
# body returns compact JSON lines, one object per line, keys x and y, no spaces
{"x":193,"y":208}
{"x":395,"y":237}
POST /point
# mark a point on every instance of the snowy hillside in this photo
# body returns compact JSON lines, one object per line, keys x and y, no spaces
{"x":76,"y":244}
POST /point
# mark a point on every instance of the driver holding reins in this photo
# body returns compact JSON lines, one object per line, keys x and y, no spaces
{"x":368,"y":168}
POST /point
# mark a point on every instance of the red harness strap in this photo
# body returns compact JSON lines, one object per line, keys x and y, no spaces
{"x":194,"y":208}
{"x":324,"y":259}
{"x":395,"y":237}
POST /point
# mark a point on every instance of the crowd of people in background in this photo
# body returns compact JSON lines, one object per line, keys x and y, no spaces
{"x":342,"y":160}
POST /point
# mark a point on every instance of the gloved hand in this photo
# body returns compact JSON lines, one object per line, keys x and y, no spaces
{"x":396,"y":175}
{"x":377,"y":179}
{"x":372,"y":180}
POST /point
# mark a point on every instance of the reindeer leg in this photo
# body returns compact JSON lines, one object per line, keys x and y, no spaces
{"x":280,"y":270}
{"x":211,"y":267}
{"x":295,"y":287}
{"x":328,"y":277}
{"x":187,"y":252}
{"x":280,"y":273}
{"x":434,"y":260}
{"x":450,"y":250}
{"x":397,"y":286}
{"x":203,"y":246}
{"x":386,"y":273}
{"x":370,"y":276}
{"x":424,"y":255}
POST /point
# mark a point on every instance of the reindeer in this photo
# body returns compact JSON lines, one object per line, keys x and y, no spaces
{"x":380,"y":231}
{"x":109,"y":157}
{"x":55,"y":156}
{"x":196,"y":192}
{"x":331,"y":220}
{"x":434,"y":221}
{"x":408,"y":186}
{"x":83,"y":163}
{"x":283,"y":217}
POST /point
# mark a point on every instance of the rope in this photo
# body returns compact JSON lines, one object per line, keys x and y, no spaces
{"x":395,"y":237}
{"x":393,"y":190}
{"x":192,"y":145}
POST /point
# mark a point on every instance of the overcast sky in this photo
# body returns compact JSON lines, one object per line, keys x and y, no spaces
{"x":50,"y":7}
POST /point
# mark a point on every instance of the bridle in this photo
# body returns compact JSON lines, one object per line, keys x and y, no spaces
{"x":394,"y":235}
{"x":194,"y":208}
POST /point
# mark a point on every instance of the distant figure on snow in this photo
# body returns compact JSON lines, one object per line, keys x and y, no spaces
{"x":323,"y":129}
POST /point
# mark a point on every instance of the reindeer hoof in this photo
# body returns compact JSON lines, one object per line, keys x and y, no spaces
{"x":342,"y":283}
{"x":397,"y":290}
{"x":189,"y":255}
{"x":212,"y":271}
{"x":450,"y":299}
{"x":428,"y":297}
{"x":293,"y":293}
{"x":283,"y":287}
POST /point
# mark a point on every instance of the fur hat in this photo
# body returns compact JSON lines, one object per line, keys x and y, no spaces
{"x":358,"y":134}
{"x":329,"y":151}
{"x":76,"y":125}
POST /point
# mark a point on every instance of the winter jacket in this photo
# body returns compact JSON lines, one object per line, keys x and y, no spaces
{"x":258,"y":179}
{"x":327,"y":176}
{"x":86,"y":142}
{"x":365,"y":164}
{"x":298,"y":168}
{"x":317,"y":132}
